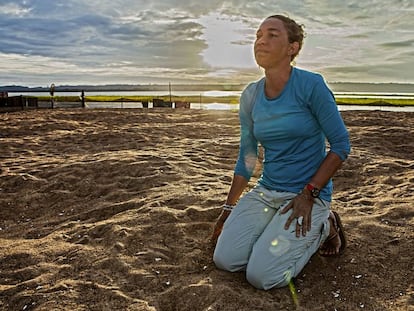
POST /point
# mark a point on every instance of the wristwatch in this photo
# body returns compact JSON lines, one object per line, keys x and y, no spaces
{"x":313,"y":190}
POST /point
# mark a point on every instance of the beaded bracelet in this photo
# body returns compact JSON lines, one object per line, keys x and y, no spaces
{"x":228,"y":207}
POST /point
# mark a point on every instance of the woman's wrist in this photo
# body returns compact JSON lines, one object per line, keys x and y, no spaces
{"x":228,"y":207}
{"x":305,"y":193}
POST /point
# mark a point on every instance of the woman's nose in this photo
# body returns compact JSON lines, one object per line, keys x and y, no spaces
{"x":260,"y":41}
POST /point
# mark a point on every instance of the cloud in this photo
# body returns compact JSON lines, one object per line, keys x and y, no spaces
{"x":13,"y":9}
{"x":190,"y":40}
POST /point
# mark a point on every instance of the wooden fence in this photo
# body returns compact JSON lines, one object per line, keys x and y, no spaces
{"x":14,"y":103}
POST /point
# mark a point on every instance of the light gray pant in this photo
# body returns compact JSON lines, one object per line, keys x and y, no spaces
{"x":254,"y":239}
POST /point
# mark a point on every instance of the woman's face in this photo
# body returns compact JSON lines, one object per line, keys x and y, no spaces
{"x":272,"y":46}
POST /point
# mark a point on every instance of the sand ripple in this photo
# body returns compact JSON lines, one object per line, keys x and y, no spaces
{"x":112,"y":210}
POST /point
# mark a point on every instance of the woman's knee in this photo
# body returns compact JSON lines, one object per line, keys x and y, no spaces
{"x":266,"y":270}
{"x":220,"y":260}
{"x":262,"y":278}
{"x":223,"y":260}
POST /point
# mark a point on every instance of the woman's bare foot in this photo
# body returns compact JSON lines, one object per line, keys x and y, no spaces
{"x":335,"y":243}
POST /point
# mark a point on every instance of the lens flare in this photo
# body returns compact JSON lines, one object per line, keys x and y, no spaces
{"x":279,"y":246}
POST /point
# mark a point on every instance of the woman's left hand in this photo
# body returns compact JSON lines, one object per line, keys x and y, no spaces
{"x":301,"y":207}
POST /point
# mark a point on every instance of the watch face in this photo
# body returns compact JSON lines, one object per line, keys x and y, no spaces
{"x":315,"y":192}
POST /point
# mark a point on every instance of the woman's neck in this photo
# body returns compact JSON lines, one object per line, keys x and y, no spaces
{"x":275,"y":81}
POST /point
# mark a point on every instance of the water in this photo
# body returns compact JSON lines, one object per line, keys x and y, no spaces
{"x":206,"y":94}
{"x":371,"y":108}
{"x":224,"y":106}
{"x":218,"y":105}
{"x":122,"y":105}
{"x":133,"y":93}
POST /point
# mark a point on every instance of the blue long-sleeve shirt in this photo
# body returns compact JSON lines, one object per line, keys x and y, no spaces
{"x":293,"y":129}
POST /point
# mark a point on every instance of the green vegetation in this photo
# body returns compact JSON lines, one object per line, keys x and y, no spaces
{"x":341,"y":100}
{"x":375,"y":101}
{"x":103,"y":98}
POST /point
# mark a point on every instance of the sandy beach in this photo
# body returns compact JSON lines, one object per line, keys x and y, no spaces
{"x":112,"y":209}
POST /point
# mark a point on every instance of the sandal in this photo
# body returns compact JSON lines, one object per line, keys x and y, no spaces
{"x":329,"y":243}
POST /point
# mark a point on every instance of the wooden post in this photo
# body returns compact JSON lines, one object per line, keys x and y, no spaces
{"x":83,"y":99}
{"x":52,"y":92}
{"x":169,"y":87}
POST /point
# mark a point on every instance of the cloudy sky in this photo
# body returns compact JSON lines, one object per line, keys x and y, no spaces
{"x":196,"y":41}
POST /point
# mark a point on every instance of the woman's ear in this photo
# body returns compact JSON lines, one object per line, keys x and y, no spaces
{"x":294,"y":48}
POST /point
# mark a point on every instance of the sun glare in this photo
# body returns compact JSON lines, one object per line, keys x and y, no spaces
{"x":228,"y":42}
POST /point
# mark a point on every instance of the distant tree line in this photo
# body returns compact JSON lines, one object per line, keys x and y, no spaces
{"x":123,"y":87}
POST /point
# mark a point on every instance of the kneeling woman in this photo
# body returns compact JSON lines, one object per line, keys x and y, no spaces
{"x":273,"y":230}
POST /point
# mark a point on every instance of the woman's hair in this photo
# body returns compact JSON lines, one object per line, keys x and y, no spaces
{"x":295,"y":32}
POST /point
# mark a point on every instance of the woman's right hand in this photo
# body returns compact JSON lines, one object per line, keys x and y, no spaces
{"x":218,"y":227}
